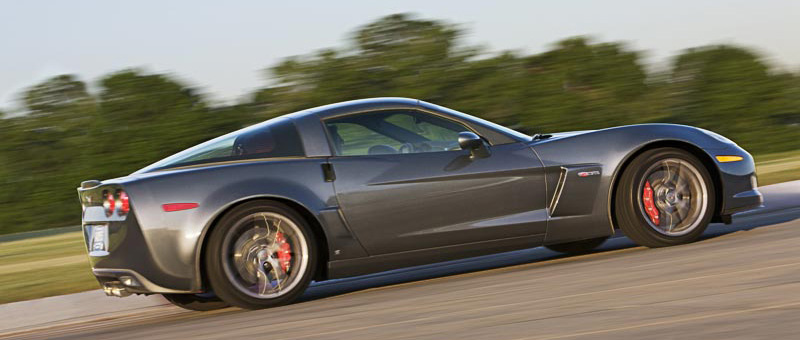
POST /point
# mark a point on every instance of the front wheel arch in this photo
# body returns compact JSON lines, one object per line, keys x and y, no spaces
{"x":319,"y":236}
{"x":705,"y":158}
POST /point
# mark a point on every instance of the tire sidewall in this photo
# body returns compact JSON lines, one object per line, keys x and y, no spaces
{"x":214,"y":260}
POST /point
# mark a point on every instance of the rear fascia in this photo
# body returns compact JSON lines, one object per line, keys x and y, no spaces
{"x":127,"y":253}
{"x":174,"y":240}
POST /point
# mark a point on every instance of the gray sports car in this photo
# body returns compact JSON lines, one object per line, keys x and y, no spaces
{"x":250,"y":218}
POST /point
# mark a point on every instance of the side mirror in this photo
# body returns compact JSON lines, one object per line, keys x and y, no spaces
{"x":474,"y":143}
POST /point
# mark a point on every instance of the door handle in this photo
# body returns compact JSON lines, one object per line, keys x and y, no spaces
{"x":328,"y":173}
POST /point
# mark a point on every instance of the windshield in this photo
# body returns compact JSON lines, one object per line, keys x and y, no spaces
{"x":513,"y":134}
{"x":274,"y":138}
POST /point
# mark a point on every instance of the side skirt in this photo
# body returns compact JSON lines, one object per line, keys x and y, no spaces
{"x":378,"y":263}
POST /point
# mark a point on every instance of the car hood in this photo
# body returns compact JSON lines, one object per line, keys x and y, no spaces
{"x":565,"y":134}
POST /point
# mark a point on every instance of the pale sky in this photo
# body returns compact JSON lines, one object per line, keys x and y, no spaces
{"x":222,"y":47}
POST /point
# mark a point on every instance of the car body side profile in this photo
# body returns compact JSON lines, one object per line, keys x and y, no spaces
{"x":252,"y":217}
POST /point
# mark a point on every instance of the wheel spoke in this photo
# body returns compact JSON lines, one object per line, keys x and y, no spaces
{"x":673,"y":174}
{"x":277,"y":230}
{"x":682,"y":186}
{"x":263,"y":279}
{"x":276,"y":272}
{"x":677,"y":219}
{"x":683,"y":210}
{"x":264,"y":284}
{"x":671,"y":222}
{"x":668,"y":175}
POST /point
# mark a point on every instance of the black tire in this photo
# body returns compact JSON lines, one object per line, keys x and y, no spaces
{"x":631,"y":204}
{"x":226,"y":279}
{"x":577,"y":247}
{"x":196,"y":302}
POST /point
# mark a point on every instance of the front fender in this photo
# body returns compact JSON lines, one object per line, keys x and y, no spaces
{"x":607,"y":150}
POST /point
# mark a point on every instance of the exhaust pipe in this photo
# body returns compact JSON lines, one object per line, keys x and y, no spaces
{"x":115,"y":289}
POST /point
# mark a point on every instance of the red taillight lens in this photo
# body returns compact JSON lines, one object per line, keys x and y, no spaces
{"x":109,"y":203}
{"x":124,"y":202}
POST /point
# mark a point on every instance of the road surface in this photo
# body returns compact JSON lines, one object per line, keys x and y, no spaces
{"x":741,"y":281}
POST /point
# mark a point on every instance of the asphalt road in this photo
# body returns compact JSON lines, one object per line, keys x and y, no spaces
{"x":741,"y":281}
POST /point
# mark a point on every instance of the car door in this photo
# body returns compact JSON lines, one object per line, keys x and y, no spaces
{"x":403,"y":183}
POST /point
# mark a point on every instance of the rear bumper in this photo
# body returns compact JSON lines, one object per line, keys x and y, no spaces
{"x":128,"y":265}
{"x":129,"y":281}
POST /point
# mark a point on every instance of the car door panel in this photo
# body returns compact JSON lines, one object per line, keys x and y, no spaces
{"x":403,"y":202}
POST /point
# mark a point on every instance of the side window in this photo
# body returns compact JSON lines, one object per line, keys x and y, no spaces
{"x":445,"y":131}
{"x":352,"y":139}
{"x":392,"y":132}
{"x":278,"y":139}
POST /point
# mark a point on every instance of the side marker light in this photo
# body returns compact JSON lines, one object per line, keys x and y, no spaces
{"x":726,"y":159}
{"x":170,"y":207}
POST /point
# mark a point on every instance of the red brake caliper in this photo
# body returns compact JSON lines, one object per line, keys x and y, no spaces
{"x":285,"y":251}
{"x":647,"y":198}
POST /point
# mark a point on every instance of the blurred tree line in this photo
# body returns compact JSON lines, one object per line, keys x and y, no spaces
{"x":69,"y":134}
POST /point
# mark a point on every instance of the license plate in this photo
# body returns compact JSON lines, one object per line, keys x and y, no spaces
{"x":98,"y":240}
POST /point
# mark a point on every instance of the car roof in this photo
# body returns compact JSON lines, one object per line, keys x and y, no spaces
{"x":313,"y":136}
{"x":368,"y":104}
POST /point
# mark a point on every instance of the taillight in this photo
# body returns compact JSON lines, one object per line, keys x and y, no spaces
{"x":116,"y":201}
{"x":109,"y":203}
{"x":124,"y":202}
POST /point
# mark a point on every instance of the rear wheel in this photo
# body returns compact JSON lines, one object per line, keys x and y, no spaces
{"x":577,"y":247}
{"x":261,"y":254}
{"x":665,"y":197}
{"x":198,"y":302}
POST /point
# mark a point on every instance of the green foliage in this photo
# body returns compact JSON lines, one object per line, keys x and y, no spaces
{"x":61,"y":255}
{"x":44,"y":151}
{"x":136,"y":118}
{"x":144,"y":118}
{"x":730,"y":90}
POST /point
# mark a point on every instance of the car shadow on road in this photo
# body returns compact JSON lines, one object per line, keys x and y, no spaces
{"x":325,"y":289}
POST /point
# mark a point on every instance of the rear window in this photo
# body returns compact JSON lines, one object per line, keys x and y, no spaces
{"x":273,"y":138}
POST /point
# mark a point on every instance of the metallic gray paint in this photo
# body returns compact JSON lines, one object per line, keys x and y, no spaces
{"x":404,"y":202}
{"x":390,"y":211}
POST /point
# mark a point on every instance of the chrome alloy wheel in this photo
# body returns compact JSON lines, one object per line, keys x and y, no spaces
{"x":265,"y":254}
{"x":673,"y":197}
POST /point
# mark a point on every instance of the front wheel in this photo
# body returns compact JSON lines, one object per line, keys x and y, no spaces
{"x":665,"y":197}
{"x":261,"y":254}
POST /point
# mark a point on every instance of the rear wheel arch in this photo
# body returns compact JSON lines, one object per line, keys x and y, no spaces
{"x":701,"y":155}
{"x":319,"y":235}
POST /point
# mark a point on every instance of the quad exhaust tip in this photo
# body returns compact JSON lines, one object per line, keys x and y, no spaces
{"x":115,"y":289}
